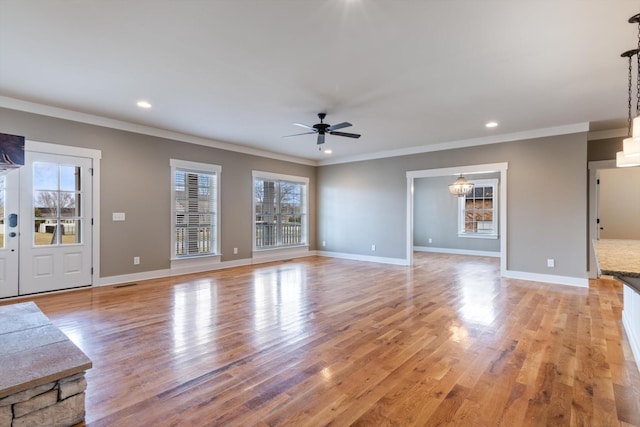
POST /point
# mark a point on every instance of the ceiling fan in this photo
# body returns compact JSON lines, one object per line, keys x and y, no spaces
{"x":323,"y":128}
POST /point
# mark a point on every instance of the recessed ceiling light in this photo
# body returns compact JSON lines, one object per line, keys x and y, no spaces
{"x":144,"y":104}
{"x":491,"y":124}
{"x":328,"y":151}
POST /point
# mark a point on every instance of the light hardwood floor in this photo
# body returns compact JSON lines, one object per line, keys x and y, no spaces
{"x":321,"y":341}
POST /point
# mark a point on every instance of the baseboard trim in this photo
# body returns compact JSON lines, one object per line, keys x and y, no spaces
{"x":634,"y":341}
{"x":156,"y":274}
{"x":456,"y":251}
{"x":366,"y":258}
{"x":548,"y":278}
{"x":198,"y":268}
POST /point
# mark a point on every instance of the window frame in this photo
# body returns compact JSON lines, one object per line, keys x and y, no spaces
{"x":200,"y":168}
{"x":462,"y":232}
{"x":304,"y":181}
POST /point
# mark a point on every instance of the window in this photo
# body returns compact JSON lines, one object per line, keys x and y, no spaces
{"x":280,"y":210}
{"x":57,"y":202}
{"x":477,"y":213}
{"x":195,"y":207}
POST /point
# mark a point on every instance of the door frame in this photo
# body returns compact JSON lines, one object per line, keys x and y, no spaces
{"x":594,"y":174}
{"x":95,"y":156}
{"x":453,"y":171}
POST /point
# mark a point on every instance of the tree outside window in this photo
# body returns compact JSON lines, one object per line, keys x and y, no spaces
{"x":280,"y":212}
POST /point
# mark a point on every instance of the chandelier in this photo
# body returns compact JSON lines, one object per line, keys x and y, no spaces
{"x":630,"y":154}
{"x":461,"y":187}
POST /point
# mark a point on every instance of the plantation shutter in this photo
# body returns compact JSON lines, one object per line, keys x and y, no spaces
{"x":195,"y":214}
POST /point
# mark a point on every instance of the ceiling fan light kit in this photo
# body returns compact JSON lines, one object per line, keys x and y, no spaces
{"x":322,"y":128}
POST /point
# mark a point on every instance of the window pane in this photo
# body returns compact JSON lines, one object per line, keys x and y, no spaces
{"x":279,"y":213}
{"x":70,"y":231}
{"x":195,"y":205}
{"x":68,"y":205}
{"x":46,"y":232}
{"x":45,"y":203}
{"x":45,"y":176}
{"x":69,"y":178}
{"x":477,"y":211}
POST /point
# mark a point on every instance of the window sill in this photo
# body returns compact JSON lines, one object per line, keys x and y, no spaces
{"x":478,"y":236}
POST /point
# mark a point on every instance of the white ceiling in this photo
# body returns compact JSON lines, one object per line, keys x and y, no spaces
{"x":406,"y":73}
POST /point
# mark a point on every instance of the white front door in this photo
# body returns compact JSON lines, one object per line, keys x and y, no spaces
{"x":55,"y":223}
{"x":9,"y":231}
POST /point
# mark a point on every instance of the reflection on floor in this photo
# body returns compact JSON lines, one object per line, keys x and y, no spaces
{"x":320,"y":340}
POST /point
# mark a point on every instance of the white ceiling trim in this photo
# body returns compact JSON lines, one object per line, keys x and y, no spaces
{"x":494,"y":139}
{"x":61,"y":113}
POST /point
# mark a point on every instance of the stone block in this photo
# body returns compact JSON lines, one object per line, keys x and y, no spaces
{"x":69,"y":388}
{"x":65,"y":413}
{"x":27,"y":394}
{"x":35,"y":403}
{"x":6,"y":415}
{"x":73,"y":377}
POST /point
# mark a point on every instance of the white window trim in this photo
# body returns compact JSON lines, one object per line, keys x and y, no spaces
{"x":461,"y":206}
{"x":199,"y":168}
{"x":281,"y":177}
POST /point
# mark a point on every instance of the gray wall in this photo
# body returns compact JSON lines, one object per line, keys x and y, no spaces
{"x":365,"y":202}
{"x":358,"y":204}
{"x":136,"y":179}
{"x":436,"y":215}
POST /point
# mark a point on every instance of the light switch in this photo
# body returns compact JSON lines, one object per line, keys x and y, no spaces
{"x":118,"y":216}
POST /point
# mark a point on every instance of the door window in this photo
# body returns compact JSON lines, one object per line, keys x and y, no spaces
{"x":57,"y":202}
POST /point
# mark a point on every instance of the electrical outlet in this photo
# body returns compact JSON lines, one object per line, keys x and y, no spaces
{"x":136,"y":260}
{"x":430,"y":240}
{"x":373,"y":248}
{"x":235,"y":251}
{"x":551,"y":263}
{"x":118,"y":216}
{"x":324,"y":243}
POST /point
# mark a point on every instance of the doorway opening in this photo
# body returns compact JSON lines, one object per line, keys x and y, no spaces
{"x":452,"y":172}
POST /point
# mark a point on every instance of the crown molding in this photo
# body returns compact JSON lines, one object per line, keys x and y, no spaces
{"x":463,"y":143}
{"x":76,"y":116}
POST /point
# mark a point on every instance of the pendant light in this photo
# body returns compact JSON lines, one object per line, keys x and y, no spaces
{"x":461,"y":187}
{"x":631,"y":145}
{"x":627,"y":157}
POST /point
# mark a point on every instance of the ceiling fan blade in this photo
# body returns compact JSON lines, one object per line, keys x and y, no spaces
{"x":339,"y":126}
{"x":348,"y":135}
{"x":303,"y":126}
{"x":298,"y":134}
{"x":320,"y":138}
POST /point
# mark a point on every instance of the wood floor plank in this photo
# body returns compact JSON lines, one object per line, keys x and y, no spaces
{"x":322,"y":341}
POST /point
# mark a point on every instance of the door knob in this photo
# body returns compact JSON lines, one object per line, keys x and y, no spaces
{"x":12,"y":234}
